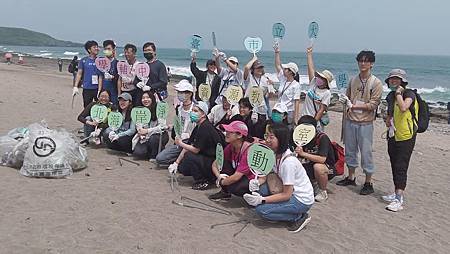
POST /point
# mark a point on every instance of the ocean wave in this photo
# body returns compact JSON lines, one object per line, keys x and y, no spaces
{"x":44,"y":55}
{"x":43,"y":51}
{"x":68,"y":53}
{"x":421,"y":90}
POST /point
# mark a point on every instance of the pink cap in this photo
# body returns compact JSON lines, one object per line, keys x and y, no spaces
{"x":236,"y":126}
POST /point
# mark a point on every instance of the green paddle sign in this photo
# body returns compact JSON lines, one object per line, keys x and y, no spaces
{"x":141,"y":115}
{"x":219,"y":156}
{"x":99,"y":113}
{"x":162,"y":110}
{"x":115,"y":120}
{"x":261,"y":159}
{"x":177,"y":126}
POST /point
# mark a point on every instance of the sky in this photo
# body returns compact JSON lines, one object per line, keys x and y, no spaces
{"x":411,"y":27}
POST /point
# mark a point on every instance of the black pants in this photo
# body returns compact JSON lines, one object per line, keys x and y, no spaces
{"x":89,"y":95}
{"x":238,"y":188}
{"x":149,"y":149}
{"x":198,"y":166}
{"x":400,"y":154}
{"x":122,"y":144}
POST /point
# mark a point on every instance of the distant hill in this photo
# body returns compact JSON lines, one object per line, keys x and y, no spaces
{"x":25,"y":37}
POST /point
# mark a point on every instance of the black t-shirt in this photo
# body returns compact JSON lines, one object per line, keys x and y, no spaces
{"x":205,"y":137}
{"x":322,"y":148}
{"x":390,"y":99}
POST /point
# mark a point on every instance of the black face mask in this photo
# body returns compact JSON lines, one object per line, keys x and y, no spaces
{"x":148,"y":56}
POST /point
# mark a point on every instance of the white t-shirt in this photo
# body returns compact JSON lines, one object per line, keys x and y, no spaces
{"x":217,"y":113}
{"x":229,"y":78}
{"x":252,"y":81}
{"x":292,"y":172}
{"x":288,"y":92}
{"x":186,"y":122}
{"x":315,"y":97}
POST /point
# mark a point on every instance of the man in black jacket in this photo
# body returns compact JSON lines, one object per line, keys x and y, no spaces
{"x":206,"y":77}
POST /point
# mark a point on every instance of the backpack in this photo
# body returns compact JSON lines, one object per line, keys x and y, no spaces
{"x":339,"y":155}
{"x":70,"y":68}
{"x":423,"y":119}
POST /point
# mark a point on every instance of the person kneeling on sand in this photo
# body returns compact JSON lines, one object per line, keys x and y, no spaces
{"x":120,"y":139}
{"x":235,"y":174}
{"x":319,"y":159}
{"x":197,"y":157}
{"x":297,"y":196}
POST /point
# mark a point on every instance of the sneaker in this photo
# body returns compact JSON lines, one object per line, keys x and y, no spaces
{"x":152,"y":160}
{"x":200,"y":186}
{"x":395,"y":206}
{"x":221,"y":195}
{"x":389,"y":198}
{"x":296,"y":226}
{"x":346,"y":181}
{"x":322,"y":196}
{"x":367,"y":189}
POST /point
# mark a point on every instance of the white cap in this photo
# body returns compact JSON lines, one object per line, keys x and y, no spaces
{"x":280,"y":107}
{"x":203,"y":106}
{"x":233,"y":58}
{"x":184,"y":86}
{"x":291,"y":66}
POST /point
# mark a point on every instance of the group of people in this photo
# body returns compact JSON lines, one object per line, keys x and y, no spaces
{"x":287,"y":194}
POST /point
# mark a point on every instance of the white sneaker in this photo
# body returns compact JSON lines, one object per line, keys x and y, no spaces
{"x":389,"y":198}
{"x":395,"y":206}
{"x":322,"y":196}
{"x":152,"y":160}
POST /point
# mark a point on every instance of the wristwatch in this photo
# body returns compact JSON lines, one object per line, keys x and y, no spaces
{"x":263,"y":201}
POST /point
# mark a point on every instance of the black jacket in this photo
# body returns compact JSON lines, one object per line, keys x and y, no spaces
{"x":200,"y":76}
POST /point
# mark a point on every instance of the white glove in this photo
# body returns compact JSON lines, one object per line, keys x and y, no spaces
{"x":253,"y":199}
{"x":215,"y":52}
{"x":96,"y":133}
{"x":111,"y":135}
{"x":253,"y":185}
{"x":127,"y":80}
{"x":75,"y":91}
{"x":108,"y":76}
{"x":254,"y":117}
{"x":184,"y":135}
{"x":194,"y":54}
{"x":276,"y":46}
{"x":345,"y":100}
{"x":140,"y":85}
{"x":223,"y":56}
{"x":173,"y":168}
{"x":392,"y":129}
{"x":146,"y":88}
{"x":221,"y":176}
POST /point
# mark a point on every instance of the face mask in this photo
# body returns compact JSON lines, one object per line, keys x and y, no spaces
{"x":148,"y":56}
{"x":319,"y":82}
{"x":277,"y":117}
{"x":107,"y":52}
{"x":393,"y":88}
{"x":194,"y":117}
{"x":181,"y":97}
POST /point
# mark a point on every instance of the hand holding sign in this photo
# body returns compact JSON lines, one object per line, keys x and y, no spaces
{"x":141,"y":115}
{"x":303,"y":134}
{"x":204,"y":92}
{"x":261,"y":159}
{"x":103,"y":64}
{"x":115,"y":120}
{"x":253,"y":44}
{"x":255,"y":95}
{"x":99,"y":113}
{"x":219,"y":156}
{"x":234,"y":94}
{"x":313,"y":31}
{"x":142,"y":71}
{"x":278,"y":31}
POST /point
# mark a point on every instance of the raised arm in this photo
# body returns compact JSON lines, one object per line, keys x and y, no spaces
{"x":310,"y":62}
{"x":248,"y":66}
{"x":277,"y":58}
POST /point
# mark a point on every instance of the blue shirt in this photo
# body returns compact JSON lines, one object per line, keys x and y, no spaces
{"x":90,"y":73}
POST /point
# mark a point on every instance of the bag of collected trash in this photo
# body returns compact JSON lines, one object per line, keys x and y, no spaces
{"x":51,"y":153}
{"x":13,"y":147}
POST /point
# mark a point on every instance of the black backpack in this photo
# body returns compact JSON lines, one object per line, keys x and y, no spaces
{"x":423,"y":119}
{"x":70,"y":68}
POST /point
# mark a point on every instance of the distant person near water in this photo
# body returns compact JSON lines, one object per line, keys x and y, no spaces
{"x":60,"y":64}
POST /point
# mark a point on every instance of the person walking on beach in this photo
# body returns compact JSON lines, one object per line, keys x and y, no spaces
{"x":87,"y":71}
{"x":402,"y":118}
{"x":362,"y":97}
{"x":60,"y":64}
{"x":73,"y":68}
{"x":108,"y":80}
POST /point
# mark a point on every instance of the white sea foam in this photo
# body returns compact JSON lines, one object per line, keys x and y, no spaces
{"x":44,"y":55}
{"x":68,"y":53}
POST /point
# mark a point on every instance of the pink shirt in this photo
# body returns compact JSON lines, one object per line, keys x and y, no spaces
{"x":239,"y":159}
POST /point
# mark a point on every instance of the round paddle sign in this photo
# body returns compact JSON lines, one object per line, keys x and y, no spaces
{"x":303,"y":134}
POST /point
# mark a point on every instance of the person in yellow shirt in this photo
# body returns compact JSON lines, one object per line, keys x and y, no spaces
{"x":402,"y":123}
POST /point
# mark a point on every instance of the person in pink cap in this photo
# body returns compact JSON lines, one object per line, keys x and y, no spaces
{"x":235,"y":174}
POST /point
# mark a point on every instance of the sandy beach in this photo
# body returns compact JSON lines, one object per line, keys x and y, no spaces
{"x":129,"y":209}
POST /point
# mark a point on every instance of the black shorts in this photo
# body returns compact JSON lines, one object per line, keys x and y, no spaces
{"x":309,"y":167}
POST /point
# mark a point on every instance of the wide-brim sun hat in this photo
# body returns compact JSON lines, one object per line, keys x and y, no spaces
{"x":399,"y":73}
{"x":327,"y":75}
{"x":184,"y":86}
{"x":291,"y":66}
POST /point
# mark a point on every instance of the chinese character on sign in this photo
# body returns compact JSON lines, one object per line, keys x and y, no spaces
{"x":259,"y":160}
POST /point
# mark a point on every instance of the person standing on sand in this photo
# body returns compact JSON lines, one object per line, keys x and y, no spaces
{"x":402,"y":135}
{"x":60,"y":64}
{"x":87,"y":71}
{"x":362,"y":98}
{"x":126,"y":84}
{"x":108,"y":80}
{"x":73,"y":68}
